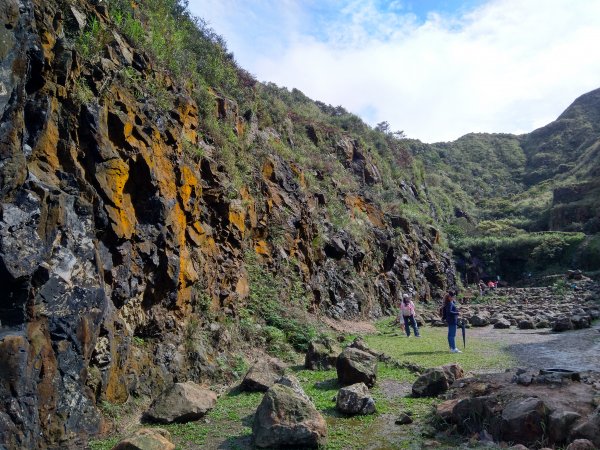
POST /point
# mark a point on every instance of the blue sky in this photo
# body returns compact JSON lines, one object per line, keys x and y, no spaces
{"x":435,"y":69}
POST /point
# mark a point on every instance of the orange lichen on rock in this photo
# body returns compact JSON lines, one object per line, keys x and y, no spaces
{"x":112,"y":176}
{"x":237,"y":215}
{"x":261,"y":247}
{"x":374,"y":215}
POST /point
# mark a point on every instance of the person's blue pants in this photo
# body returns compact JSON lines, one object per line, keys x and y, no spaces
{"x":452,"y":335}
{"x":408,"y":322}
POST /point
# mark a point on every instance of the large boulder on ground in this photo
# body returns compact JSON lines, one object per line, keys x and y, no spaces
{"x":437,"y":380}
{"x":147,"y":439}
{"x":524,"y":420}
{"x":263,"y":374}
{"x":286,"y":419}
{"x":355,"y":399}
{"x":559,"y":425}
{"x":562,"y":324}
{"x":292,"y":382}
{"x":356,"y":366}
{"x":322,"y":354}
{"x":182,"y":402}
{"x":526,"y":324}
{"x":502,"y":323}
{"x":473,"y":413}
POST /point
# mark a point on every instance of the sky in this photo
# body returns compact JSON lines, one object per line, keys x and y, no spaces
{"x":435,"y":69}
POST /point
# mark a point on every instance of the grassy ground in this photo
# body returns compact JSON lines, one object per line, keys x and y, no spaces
{"x":229,"y":425}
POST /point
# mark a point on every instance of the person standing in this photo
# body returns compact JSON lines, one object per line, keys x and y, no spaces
{"x":407,"y":310}
{"x":451,"y":317}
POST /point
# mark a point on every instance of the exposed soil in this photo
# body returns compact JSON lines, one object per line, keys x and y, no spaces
{"x":574,"y":350}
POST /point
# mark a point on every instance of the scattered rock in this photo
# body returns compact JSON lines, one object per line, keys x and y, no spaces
{"x":479,"y":320}
{"x":502,"y":324}
{"x":436,"y":381}
{"x":524,"y":420}
{"x":355,"y":399}
{"x":526,"y":324}
{"x":263,"y":374}
{"x":182,"y":402}
{"x":590,"y":429}
{"x":559,"y":425}
{"x":147,"y":439}
{"x":285,"y":419}
{"x":292,"y":382}
{"x":562,"y":324}
{"x":322,"y":354}
{"x":403,"y":419}
{"x":356,"y":366}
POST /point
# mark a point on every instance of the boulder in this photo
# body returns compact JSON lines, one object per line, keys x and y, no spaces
{"x":502,"y":324}
{"x":471,"y":414}
{"x":356,"y":366}
{"x":581,"y":321}
{"x":403,"y":419}
{"x":562,"y":324}
{"x":590,"y":429}
{"x":285,"y":419}
{"x":581,"y":444}
{"x":560,"y":423}
{"x":526,"y":324}
{"x":147,"y":439}
{"x":524,"y":420}
{"x":182,"y":402}
{"x":263,"y":374}
{"x":355,"y":399}
{"x":292,"y":382}
{"x":479,"y":320}
{"x":453,"y":372}
{"x":542,"y":323}
{"x":437,"y":380}
{"x":322,"y":354}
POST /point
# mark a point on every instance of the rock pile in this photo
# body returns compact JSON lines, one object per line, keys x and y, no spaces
{"x":552,"y":410}
{"x":573,"y":307}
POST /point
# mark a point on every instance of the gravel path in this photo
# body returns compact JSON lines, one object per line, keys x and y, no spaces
{"x":575,"y":350}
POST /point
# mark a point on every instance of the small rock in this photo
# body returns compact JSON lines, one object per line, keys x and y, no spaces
{"x":502,"y":324}
{"x":147,"y":439}
{"x":355,"y":399}
{"x":560,"y":423}
{"x":524,"y":420}
{"x":562,"y":324}
{"x":403,"y":419}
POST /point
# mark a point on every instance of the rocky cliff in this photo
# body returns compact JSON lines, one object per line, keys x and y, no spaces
{"x":126,"y":247}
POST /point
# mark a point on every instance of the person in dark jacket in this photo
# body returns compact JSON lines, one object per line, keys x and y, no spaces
{"x":451,"y":316}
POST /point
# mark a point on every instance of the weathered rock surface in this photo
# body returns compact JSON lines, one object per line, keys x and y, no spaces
{"x":356,"y":366}
{"x":581,"y":444}
{"x":355,"y":399}
{"x":147,"y":439}
{"x":285,"y":419}
{"x":436,"y":380}
{"x":263,"y":374}
{"x":322,"y":354}
{"x":556,"y":408}
{"x":182,"y":402}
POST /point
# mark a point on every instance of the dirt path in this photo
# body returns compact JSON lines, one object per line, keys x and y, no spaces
{"x":575,"y":350}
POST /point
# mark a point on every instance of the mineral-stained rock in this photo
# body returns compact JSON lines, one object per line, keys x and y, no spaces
{"x":356,"y":366}
{"x":182,"y":402}
{"x":284,"y":418}
{"x":263,"y":374}
{"x":147,"y":439}
{"x":355,"y":399}
{"x":322,"y":354}
{"x":524,"y":420}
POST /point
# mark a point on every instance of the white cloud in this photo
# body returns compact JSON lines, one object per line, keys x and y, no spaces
{"x":507,"y":66}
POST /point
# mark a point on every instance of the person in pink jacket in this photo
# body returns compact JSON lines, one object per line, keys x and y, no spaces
{"x":407,"y":311}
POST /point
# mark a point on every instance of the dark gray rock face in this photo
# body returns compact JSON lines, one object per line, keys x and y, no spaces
{"x":286,"y":419}
{"x":356,"y":366}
